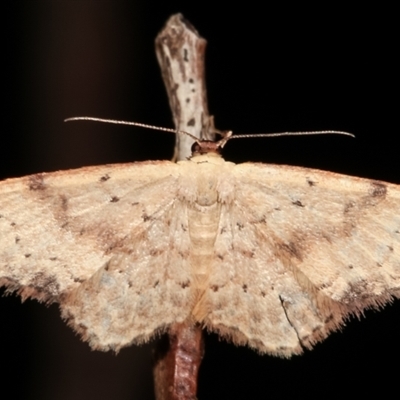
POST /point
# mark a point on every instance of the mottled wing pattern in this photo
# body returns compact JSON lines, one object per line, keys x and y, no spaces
{"x":297,"y":251}
{"x":270,"y":256}
{"x":93,"y":239}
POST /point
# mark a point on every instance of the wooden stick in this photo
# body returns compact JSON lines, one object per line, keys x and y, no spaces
{"x":180,"y":52}
{"x":177,"y":361}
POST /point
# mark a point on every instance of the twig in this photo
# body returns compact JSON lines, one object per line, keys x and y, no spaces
{"x":180,"y":52}
{"x":177,"y":362}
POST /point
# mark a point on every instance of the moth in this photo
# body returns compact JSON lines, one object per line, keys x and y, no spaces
{"x":270,"y":256}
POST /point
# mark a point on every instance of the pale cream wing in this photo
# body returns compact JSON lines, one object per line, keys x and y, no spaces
{"x":93,"y":239}
{"x":298,"y":250}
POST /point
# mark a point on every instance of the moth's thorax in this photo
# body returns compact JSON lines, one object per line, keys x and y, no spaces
{"x":205,"y":180}
{"x":212,"y":158}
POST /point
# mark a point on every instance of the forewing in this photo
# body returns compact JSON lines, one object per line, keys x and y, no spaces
{"x":93,"y":239}
{"x":298,"y":251}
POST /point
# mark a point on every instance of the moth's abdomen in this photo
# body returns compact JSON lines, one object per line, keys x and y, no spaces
{"x":203,"y":229}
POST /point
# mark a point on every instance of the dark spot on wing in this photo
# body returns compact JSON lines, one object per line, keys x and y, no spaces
{"x":187,"y":100}
{"x":156,"y":284}
{"x":13,"y":224}
{"x":145,"y":217}
{"x":324,"y":285}
{"x":298,"y":203}
{"x":104,"y":178}
{"x":247,"y":253}
{"x":64,"y":202}
{"x":156,"y":252}
{"x":17,"y":239}
{"x":263,"y":294}
{"x":111,"y":244}
{"x":53,"y":258}
{"x":239,"y":225}
{"x":348,"y":207}
{"x":291,"y":249}
{"x":191,"y":122}
{"x":244,"y":287}
{"x":47,"y":284}
{"x":114,"y":199}
{"x":191,"y":80}
{"x":36,"y":182}
{"x":310,"y":182}
{"x":390,"y":248}
{"x":185,"y":55}
{"x":377,"y":189}
{"x":28,"y":255}
{"x":350,"y":266}
{"x":329,"y":318}
{"x":260,"y":220}
{"x":184,"y":285}
{"x":356,"y":291}
{"x":214,"y":288}
{"x":220,"y":256}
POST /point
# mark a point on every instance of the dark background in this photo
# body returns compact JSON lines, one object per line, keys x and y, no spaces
{"x":268,"y":70}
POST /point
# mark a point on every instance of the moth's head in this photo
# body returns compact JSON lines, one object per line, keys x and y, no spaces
{"x":200,"y":147}
{"x":205,"y":147}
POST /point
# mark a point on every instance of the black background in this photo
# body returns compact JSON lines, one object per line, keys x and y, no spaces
{"x":268,"y":70}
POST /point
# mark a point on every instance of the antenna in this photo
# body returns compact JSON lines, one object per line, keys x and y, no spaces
{"x":226,"y":135}
{"x":118,"y":122}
